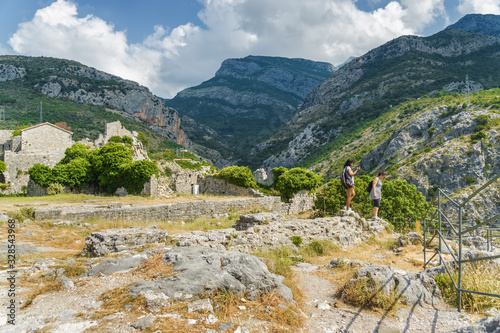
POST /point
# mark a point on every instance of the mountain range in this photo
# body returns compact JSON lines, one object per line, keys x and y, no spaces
{"x":274,"y":111}
{"x":246,"y":102}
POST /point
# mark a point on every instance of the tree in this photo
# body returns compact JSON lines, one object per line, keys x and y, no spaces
{"x":237,"y":175}
{"x":137,"y":174}
{"x":75,"y":173}
{"x":401,"y":203}
{"x":143,"y":138}
{"x":41,"y":174}
{"x":277,"y":172}
{"x":109,"y":164}
{"x":295,"y":180}
{"x":78,"y":150}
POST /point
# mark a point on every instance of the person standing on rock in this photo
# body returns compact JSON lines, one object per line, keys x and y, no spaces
{"x":376,"y":193}
{"x":350,"y":177}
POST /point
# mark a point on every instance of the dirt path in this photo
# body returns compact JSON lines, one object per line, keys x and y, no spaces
{"x":330,"y":319}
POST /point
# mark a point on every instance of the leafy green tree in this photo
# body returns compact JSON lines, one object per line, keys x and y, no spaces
{"x":41,"y":174}
{"x":75,"y":173}
{"x":115,"y":139}
{"x":18,"y":129}
{"x":402,"y":204}
{"x":109,"y":164}
{"x":143,"y":138}
{"x":3,"y":166}
{"x":237,"y":175}
{"x":78,"y":150}
{"x":295,"y":180}
{"x":137,"y":174}
{"x":127,"y":140}
{"x":277,"y":172}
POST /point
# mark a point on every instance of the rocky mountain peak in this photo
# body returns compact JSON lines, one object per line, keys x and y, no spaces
{"x":488,"y":24}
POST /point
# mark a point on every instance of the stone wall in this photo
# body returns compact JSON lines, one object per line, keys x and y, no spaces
{"x":212,"y":185}
{"x":182,"y":181}
{"x":35,"y":190}
{"x":46,"y":138}
{"x":301,"y":202}
{"x":161,"y":212}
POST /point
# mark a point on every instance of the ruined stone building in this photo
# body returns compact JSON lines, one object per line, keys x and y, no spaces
{"x":117,"y":129}
{"x":43,"y":143}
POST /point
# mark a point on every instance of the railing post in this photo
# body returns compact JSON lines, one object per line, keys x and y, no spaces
{"x":439,"y":207}
{"x":460,"y":258}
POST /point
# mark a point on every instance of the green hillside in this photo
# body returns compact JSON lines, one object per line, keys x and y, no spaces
{"x":21,"y":101}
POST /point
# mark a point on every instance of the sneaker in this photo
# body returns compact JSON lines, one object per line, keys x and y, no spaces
{"x":376,"y":218}
{"x":345,"y":207}
{"x":350,"y":211}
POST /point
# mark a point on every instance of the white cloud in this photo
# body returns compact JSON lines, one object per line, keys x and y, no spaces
{"x":169,"y":60}
{"x":479,"y":6}
{"x":4,"y":50}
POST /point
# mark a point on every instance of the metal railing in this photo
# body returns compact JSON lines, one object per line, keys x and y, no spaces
{"x":439,"y":218}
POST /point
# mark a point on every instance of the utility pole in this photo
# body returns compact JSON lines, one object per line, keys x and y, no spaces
{"x":467,"y":91}
{"x":41,"y":118}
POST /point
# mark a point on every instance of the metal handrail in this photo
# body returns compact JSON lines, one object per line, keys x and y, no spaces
{"x":460,"y":232}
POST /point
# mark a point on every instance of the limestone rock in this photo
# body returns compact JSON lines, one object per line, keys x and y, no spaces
{"x":143,"y":323}
{"x":111,"y":266}
{"x":485,"y":325}
{"x":412,"y":288}
{"x":201,"y":305}
{"x":102,"y":242}
{"x":204,"y":270}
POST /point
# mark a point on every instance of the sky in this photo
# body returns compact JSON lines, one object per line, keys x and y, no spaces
{"x":169,"y":45}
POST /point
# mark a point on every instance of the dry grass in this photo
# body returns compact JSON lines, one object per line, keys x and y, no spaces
{"x":153,"y":268}
{"x":42,"y":286}
{"x":369,"y":296}
{"x":114,"y":301}
{"x":475,"y":276}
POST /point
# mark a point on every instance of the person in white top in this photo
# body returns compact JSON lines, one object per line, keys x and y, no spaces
{"x":350,"y":191}
{"x":376,"y":193}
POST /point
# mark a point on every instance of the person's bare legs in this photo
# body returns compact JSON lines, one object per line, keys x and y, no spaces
{"x":350,"y":195}
{"x":375,"y":211}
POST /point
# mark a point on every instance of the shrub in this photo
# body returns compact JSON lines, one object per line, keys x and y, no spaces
{"x":297,"y":240}
{"x":137,"y":174}
{"x":189,"y":165}
{"x":431,"y":131}
{"x":482,"y":120}
{"x":470,"y":180}
{"x":75,"y":173}
{"x":478,"y":136}
{"x":237,"y":175}
{"x":401,"y":203}
{"x":3,"y":166}
{"x":41,"y":174}
{"x":168,"y":172}
{"x":54,"y":188}
{"x":127,"y":140}
{"x":277,"y":172}
{"x":143,"y":138}
{"x":295,"y":180}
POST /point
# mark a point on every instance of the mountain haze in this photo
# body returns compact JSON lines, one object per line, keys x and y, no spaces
{"x":246,"y":102}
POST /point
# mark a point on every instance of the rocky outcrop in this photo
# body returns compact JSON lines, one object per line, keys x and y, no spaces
{"x":434,"y":149}
{"x":10,"y":72}
{"x":202,"y":270}
{"x":107,"y":241}
{"x":273,"y":231}
{"x":485,"y":325}
{"x":410,"y":288}
{"x":488,"y":24}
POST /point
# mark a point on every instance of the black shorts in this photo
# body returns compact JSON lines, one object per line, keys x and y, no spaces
{"x":376,"y":203}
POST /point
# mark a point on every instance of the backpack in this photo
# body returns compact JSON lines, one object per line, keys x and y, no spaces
{"x":370,"y":186}
{"x":345,"y":181}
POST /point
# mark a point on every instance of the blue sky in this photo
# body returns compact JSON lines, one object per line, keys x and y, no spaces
{"x":168,"y":45}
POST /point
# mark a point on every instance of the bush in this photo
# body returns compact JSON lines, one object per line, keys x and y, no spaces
{"x":470,"y":180}
{"x":3,"y":166}
{"x":482,"y":120}
{"x":137,"y":174}
{"x":277,"y":172}
{"x":41,"y":174}
{"x":54,"y":188}
{"x":297,"y":240}
{"x":431,"y":131}
{"x":237,"y":175}
{"x":478,"y":136}
{"x":143,"y":138}
{"x":401,"y":203}
{"x":295,"y":180}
